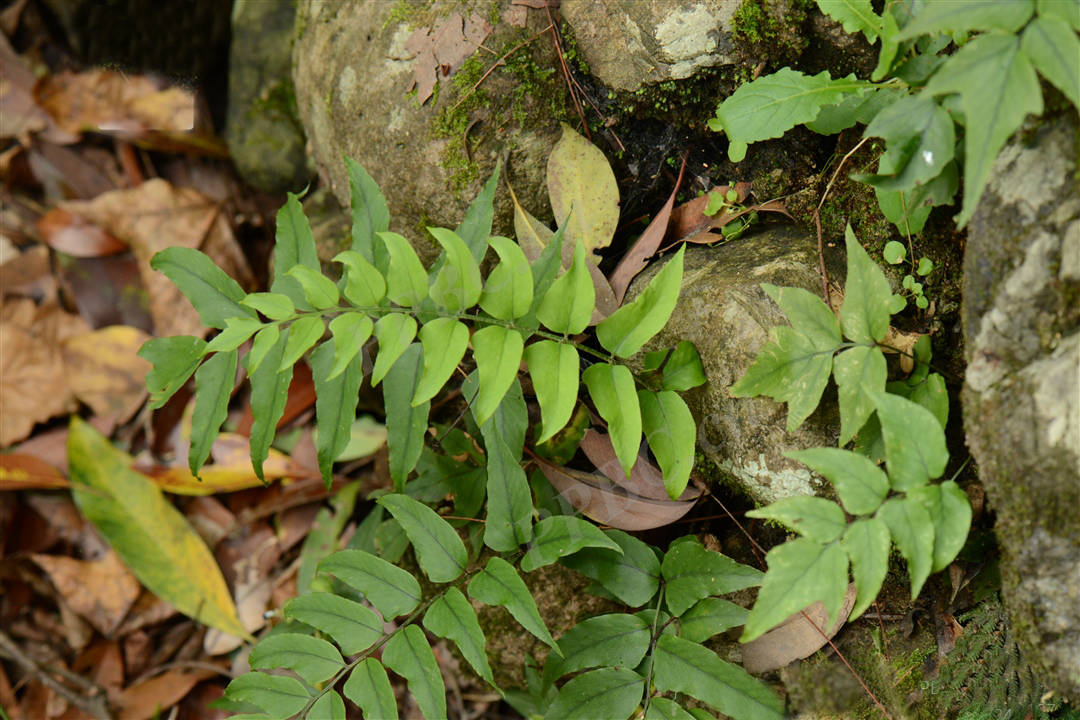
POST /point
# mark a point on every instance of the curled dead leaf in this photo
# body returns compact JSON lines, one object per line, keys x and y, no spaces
{"x":795,"y":638}
{"x":153,"y":216}
{"x":646,"y":480}
{"x":609,"y":504}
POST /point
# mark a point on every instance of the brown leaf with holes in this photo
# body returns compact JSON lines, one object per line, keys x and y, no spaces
{"x":106,"y":372}
{"x":33,"y":378}
{"x":101,"y":591}
{"x":609,"y":504}
{"x":440,"y":51}
{"x":795,"y":638}
{"x":154,"y":216}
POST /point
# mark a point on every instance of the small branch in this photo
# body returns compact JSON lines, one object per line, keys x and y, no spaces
{"x":566,"y":72}
{"x":94,"y":705}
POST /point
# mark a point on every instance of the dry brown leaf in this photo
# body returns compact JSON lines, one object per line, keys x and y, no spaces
{"x":113,"y":102}
{"x":210,"y":518}
{"x":104,"y":663}
{"x":19,"y":471}
{"x":22,"y":115}
{"x":636,"y":258}
{"x":440,"y":51}
{"x":108,"y":291}
{"x":690,"y":217}
{"x":72,"y":234}
{"x":29,"y":275}
{"x":646,"y":480}
{"x":151,"y":698}
{"x":33,"y":379}
{"x":795,"y":638}
{"x":609,"y":504}
{"x":105,"y":371}
{"x":154,"y":216}
{"x":148,"y":610}
{"x":101,"y":591}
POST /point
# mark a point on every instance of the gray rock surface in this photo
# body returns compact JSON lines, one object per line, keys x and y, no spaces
{"x":630,"y":44}
{"x":352,"y":72}
{"x":1022,"y":388}
{"x":724,"y":312}
{"x":264,"y":135}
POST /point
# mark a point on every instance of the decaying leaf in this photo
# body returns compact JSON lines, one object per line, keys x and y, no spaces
{"x":19,"y":471}
{"x":795,"y":638}
{"x":635,"y":259}
{"x":584,"y":194}
{"x":154,"y":216}
{"x":609,"y":504}
{"x":440,"y":51}
{"x":110,"y":101}
{"x":229,"y":470}
{"x":74,"y":235}
{"x":101,"y":591}
{"x":146,"y":530}
{"x":105,"y":371}
{"x":33,"y":378}
{"x":150,"y":698}
{"x":646,"y":480}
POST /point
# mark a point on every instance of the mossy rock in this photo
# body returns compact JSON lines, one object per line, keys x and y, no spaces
{"x":1022,"y":393}
{"x":352,"y":75}
{"x":265,"y":139}
{"x":724,"y":312}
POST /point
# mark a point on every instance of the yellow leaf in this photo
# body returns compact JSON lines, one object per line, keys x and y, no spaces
{"x":230,"y":470}
{"x":146,"y":531}
{"x":105,"y":371}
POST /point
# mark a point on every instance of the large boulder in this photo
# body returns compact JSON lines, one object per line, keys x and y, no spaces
{"x":265,"y":138}
{"x":353,"y":66}
{"x":723,"y":311}
{"x":1021,"y":392}
{"x":628,"y":45}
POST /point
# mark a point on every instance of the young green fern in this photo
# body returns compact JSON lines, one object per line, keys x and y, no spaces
{"x":421,"y":322}
{"x":903,"y":422}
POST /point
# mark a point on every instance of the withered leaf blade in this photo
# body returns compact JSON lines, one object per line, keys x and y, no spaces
{"x":795,"y":638}
{"x":635,"y":260}
{"x":101,"y":591}
{"x":75,"y":235}
{"x":646,"y":480}
{"x":19,"y":471}
{"x":106,"y":372}
{"x":609,"y":504}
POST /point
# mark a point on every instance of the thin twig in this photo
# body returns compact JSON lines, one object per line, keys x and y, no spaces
{"x":817,"y":222}
{"x":95,"y":706}
{"x":566,"y":72}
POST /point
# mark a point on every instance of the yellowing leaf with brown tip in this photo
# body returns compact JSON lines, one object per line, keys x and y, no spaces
{"x":148,"y":533}
{"x":229,"y":471}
